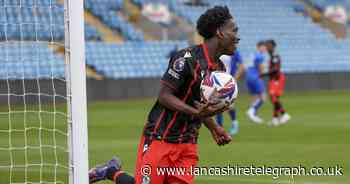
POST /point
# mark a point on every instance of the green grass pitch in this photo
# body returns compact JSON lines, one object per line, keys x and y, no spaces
{"x":317,"y":135}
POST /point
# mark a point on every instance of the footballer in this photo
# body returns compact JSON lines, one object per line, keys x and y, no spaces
{"x":169,"y":137}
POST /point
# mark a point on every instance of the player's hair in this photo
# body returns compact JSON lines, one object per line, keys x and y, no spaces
{"x":260,"y":43}
{"x":272,"y":42}
{"x":211,"y":20}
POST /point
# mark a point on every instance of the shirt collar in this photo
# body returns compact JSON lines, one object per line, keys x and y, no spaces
{"x":211,"y":64}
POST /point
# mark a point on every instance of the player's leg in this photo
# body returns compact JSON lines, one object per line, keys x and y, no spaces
{"x":259,"y":102}
{"x":260,"y":90}
{"x":272,"y":88}
{"x":279,"y":110}
{"x":184,"y":156}
{"x":123,"y":178}
{"x":119,"y":176}
{"x":251,"y":89}
{"x":275,"y":113}
{"x":234,"y":122}
{"x":110,"y":171}
{"x":252,"y":111}
{"x":220,"y":119}
{"x":276,"y":88}
{"x":284,"y":115}
{"x":256,"y":88}
{"x":151,"y":155}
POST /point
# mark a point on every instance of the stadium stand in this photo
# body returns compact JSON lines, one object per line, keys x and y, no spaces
{"x":91,"y":33}
{"x":107,"y":11}
{"x":322,"y":4}
{"x":190,"y":13}
{"x":297,"y":36}
{"x":29,"y":60}
{"x":125,"y":60}
{"x":130,"y":59}
{"x":304,"y":46}
{"x":35,"y":20}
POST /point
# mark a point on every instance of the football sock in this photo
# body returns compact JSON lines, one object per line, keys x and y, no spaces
{"x":111,"y":172}
{"x":220,"y":119}
{"x":123,"y":178}
{"x":119,"y":177}
{"x":277,"y":108}
{"x":232,"y":113}
{"x":257,"y":104}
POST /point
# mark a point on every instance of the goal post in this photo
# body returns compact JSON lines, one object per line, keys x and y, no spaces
{"x":43,"y":108}
{"x":76,"y":89}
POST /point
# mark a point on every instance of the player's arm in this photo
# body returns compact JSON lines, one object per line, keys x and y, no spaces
{"x":261,"y":69}
{"x":241,"y":68}
{"x":262,"y":72}
{"x":169,"y":100}
{"x":240,"y":71}
{"x":179,"y":70}
{"x":175,"y":76}
{"x":220,"y":136}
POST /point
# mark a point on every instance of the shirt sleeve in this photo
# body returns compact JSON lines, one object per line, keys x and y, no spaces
{"x":177,"y":73}
{"x":226,"y":60}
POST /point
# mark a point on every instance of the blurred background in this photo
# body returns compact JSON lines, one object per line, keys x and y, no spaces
{"x":134,"y":39}
{"x":128,"y":40}
{"x":128,"y":45}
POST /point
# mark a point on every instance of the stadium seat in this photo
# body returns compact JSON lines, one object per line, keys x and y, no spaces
{"x":131,"y":59}
{"x":107,"y":11}
{"x":35,"y":21}
{"x":30,"y":60}
{"x":303,"y":46}
{"x":299,"y":39}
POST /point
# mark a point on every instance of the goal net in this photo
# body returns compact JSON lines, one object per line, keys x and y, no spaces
{"x":36,"y":95}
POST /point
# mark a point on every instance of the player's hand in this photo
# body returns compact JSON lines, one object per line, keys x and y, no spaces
{"x":206,"y":110}
{"x":220,"y":136}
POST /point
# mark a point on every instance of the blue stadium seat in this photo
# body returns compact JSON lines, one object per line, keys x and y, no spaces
{"x":130,"y":59}
{"x":107,"y":10}
{"x":303,"y":45}
{"x":299,"y":39}
{"x":35,"y":19}
{"x":30,"y":60}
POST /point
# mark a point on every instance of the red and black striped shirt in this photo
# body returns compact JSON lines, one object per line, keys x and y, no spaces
{"x":274,"y":67}
{"x":184,"y":74}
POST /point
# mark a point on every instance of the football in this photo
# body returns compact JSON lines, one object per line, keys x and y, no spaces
{"x":219,"y":89}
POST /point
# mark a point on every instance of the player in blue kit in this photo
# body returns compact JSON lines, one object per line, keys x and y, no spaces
{"x":234,"y":66}
{"x":255,"y":84}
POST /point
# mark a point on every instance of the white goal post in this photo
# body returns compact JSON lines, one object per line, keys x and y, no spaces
{"x":76,"y":87}
{"x":43,"y":108}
